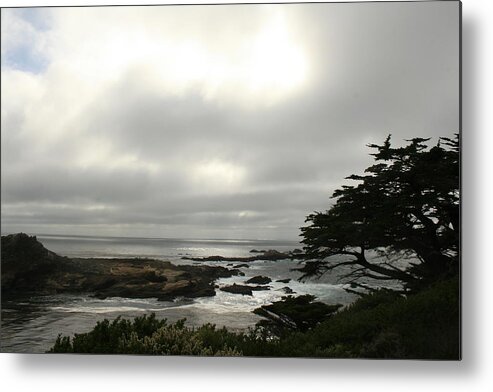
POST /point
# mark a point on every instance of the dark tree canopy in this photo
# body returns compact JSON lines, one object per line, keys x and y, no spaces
{"x":294,"y":314}
{"x":406,"y":204}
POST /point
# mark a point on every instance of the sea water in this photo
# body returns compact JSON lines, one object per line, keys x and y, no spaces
{"x":32,"y":324}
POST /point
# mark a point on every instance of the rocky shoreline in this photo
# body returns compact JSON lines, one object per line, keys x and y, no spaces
{"x":265,"y":255}
{"x":29,"y":268}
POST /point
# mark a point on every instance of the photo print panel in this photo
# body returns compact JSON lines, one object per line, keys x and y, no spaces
{"x":260,"y":180}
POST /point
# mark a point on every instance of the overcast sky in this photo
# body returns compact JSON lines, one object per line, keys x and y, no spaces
{"x":211,"y":121}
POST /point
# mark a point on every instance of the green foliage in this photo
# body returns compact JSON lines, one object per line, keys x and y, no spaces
{"x":383,"y":324}
{"x":407,"y":203}
{"x":147,"y":335}
{"x":106,"y":337}
{"x":425,"y":325}
{"x":175,"y":339}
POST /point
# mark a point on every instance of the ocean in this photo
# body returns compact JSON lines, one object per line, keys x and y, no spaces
{"x":32,"y":324}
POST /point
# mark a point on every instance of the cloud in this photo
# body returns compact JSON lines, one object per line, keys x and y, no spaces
{"x":213,"y":121}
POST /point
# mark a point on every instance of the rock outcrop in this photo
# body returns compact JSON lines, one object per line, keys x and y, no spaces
{"x":259,"y":280}
{"x":243,"y":289}
{"x":29,"y":268}
{"x":266,"y":255}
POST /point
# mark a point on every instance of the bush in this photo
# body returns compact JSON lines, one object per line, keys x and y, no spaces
{"x":380,"y":325}
{"x":383,"y":325}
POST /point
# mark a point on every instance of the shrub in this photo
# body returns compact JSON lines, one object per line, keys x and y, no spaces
{"x":380,"y":325}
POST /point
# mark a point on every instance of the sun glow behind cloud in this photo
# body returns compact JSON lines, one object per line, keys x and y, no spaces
{"x":266,"y":65}
{"x":218,"y":176}
{"x":277,"y":64}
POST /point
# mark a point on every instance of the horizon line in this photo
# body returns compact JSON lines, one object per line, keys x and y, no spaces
{"x":150,"y":238}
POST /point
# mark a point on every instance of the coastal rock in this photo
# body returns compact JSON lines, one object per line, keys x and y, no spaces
{"x":29,"y":268}
{"x":24,"y":259}
{"x":261,"y":288}
{"x":273,"y":253}
{"x":243,"y":289}
{"x":237,"y":289}
{"x":267,"y":255}
{"x":259,"y":280}
{"x":284,"y":280}
{"x":287,"y":290}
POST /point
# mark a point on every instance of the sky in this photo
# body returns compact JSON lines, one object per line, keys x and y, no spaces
{"x":226,"y":121}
